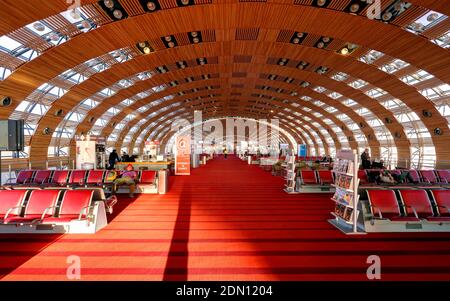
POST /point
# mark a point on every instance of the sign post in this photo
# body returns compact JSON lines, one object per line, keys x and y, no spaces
{"x":183,"y":156}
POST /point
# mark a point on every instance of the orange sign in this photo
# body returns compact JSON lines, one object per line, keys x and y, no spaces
{"x":183,"y":156}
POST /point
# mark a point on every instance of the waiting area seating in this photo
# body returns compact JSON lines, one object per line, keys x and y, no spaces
{"x":402,"y":177}
{"x":407,"y":210}
{"x":321,"y":180}
{"x":52,"y":210}
{"x":147,"y":180}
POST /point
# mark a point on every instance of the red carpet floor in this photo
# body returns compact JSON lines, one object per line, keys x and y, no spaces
{"x":227,"y":221}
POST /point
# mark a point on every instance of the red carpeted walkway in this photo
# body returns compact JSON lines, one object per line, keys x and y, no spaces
{"x":227,"y":221}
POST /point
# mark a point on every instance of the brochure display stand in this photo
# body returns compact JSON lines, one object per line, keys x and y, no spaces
{"x":346,"y":196}
{"x":290,"y":174}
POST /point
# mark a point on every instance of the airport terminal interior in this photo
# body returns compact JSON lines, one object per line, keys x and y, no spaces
{"x":224,"y":140}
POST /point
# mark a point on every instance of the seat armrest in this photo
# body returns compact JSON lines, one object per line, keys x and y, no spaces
{"x":11,"y":209}
{"x":46,"y":210}
{"x":86,"y":210}
{"x":414,"y":211}
{"x":379,"y":211}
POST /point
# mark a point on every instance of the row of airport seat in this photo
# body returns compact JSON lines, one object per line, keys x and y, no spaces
{"x":50,"y":206}
{"x":314,"y":177}
{"x":410,"y":205}
{"x":326,"y":177}
{"x":416,"y":176}
{"x":74,"y":178}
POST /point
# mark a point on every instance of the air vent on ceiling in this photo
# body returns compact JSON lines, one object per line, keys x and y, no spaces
{"x":246,"y":34}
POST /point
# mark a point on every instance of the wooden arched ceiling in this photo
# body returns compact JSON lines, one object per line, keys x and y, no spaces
{"x":225,"y":18}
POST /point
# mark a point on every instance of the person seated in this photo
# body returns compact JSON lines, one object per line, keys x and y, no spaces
{"x":386,"y":177}
{"x":125,"y":157}
{"x":127,"y":178}
{"x":403,"y":176}
{"x":374,"y":176}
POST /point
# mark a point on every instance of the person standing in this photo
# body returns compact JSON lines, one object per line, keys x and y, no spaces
{"x":113,"y":158}
{"x":365,"y":159}
{"x":225,"y":152}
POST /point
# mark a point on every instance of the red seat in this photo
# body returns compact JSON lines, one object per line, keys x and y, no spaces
{"x":417,"y":203}
{"x":326,"y":177}
{"x":40,"y":204}
{"x":444,"y":175}
{"x":148,"y":177}
{"x":77,"y":177}
{"x":442,"y":201}
{"x":24,"y":176}
{"x":74,"y":206}
{"x":308,"y":176}
{"x":415,"y":176}
{"x":11,"y":202}
{"x":363,"y":179}
{"x":383,"y":204}
{"x":60,"y":177}
{"x":95,"y":177}
{"x":429,"y":176}
{"x":42,"y":176}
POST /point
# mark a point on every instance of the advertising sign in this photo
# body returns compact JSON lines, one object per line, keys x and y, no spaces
{"x":183,"y":156}
{"x":302,"y":150}
{"x":86,"y":155}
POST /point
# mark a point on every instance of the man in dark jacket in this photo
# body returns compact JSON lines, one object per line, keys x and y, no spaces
{"x":365,"y":159}
{"x":113,"y":158}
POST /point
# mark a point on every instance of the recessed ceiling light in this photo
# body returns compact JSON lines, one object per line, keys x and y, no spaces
{"x":118,"y":14}
{"x":151,"y":6}
{"x":39,"y":26}
{"x":147,"y":50}
{"x":168,"y":38}
{"x":86,"y":24}
{"x":354,"y":8}
{"x":344,"y":51}
{"x":108,"y":3}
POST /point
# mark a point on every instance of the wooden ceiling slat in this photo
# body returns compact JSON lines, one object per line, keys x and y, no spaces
{"x":182,"y":39}
{"x":285,"y":36}
{"x":437,"y":30}
{"x":166,"y":4}
{"x":157,"y":44}
{"x":339,"y":4}
{"x":209,"y":35}
{"x":336,"y":45}
{"x":133,"y":7}
{"x":202,"y":1}
{"x":311,"y":40}
{"x":96,"y":14}
{"x":303,"y":2}
{"x":61,"y":25}
{"x":247,"y":34}
{"x":10,"y":62}
{"x":410,"y":15}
